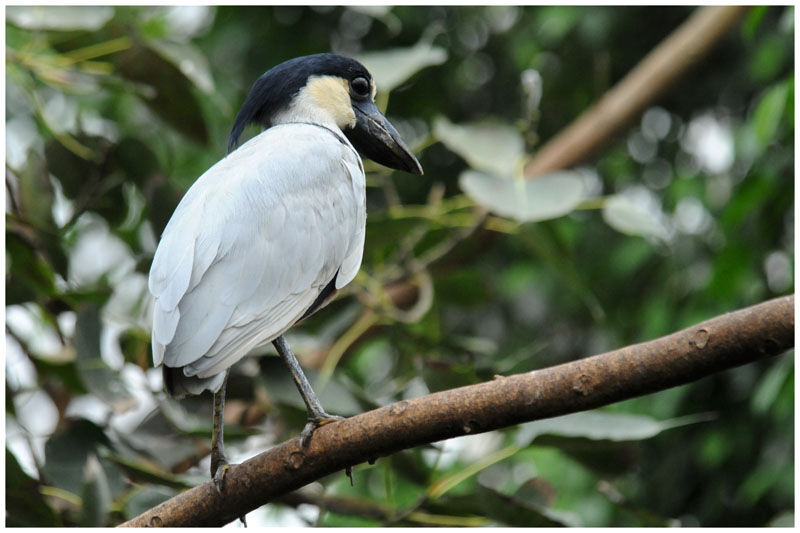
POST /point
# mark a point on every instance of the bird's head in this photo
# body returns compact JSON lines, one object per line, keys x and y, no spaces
{"x":330,"y":90}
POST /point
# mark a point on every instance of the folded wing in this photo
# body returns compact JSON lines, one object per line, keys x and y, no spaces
{"x":251,"y":246}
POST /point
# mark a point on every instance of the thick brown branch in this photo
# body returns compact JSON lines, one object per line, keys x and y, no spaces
{"x":661,"y":67}
{"x":723,"y":342}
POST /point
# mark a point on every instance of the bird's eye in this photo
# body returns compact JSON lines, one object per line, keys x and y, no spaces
{"x":360,"y":86}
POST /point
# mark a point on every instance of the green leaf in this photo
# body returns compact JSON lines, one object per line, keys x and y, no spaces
{"x":556,"y":22}
{"x":769,"y":112}
{"x":25,"y":506}
{"x":561,"y":474}
{"x":191,"y":62}
{"x":543,"y":198}
{"x":146,"y":473}
{"x":167,"y":437}
{"x":491,"y":147}
{"x":600,"y":425}
{"x":622,"y":214}
{"x":770,"y":385}
{"x":29,"y":275}
{"x":96,"y":494}
{"x":66,"y":453}
{"x":89,"y":18}
{"x":50,"y":242}
{"x":515,"y":512}
{"x":783,"y":519}
{"x":112,"y":204}
{"x":444,"y":484}
{"x":146,"y":498}
{"x":98,"y":377}
{"x":752,"y":21}
{"x":773,"y":53}
{"x":501,"y":508}
{"x":761,"y":481}
{"x":390,"y":68}
{"x":36,"y":192}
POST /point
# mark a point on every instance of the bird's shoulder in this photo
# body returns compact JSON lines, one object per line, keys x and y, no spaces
{"x":295,"y":141}
{"x":285,"y":160}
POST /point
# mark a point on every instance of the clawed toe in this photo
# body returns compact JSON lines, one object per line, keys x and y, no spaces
{"x":219,"y":479}
{"x":313,"y":424}
{"x":219,"y":475}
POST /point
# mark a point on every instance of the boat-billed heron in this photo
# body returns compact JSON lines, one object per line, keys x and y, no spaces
{"x":267,"y":235}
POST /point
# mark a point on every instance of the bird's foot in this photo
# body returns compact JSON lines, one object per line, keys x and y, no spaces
{"x":313,"y":423}
{"x":218,"y":476}
{"x":222,"y":467}
{"x":219,"y":467}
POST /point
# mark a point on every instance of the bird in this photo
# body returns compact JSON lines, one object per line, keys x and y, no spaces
{"x":268,"y":234}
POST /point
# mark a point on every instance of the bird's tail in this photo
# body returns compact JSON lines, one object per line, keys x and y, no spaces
{"x":179,"y":384}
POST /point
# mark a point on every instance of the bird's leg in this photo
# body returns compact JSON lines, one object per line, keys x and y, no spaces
{"x":316,"y":415}
{"x":219,"y":464}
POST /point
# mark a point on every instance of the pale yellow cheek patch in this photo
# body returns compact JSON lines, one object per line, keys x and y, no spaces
{"x":332,"y":94}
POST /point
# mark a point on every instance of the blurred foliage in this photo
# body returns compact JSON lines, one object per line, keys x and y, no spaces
{"x":112,"y":112}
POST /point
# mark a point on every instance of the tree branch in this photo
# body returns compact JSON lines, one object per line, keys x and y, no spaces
{"x":660,"y":68}
{"x":717,"y":344}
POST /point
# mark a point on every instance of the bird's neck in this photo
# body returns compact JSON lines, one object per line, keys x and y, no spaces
{"x":293,"y":116}
{"x":324,"y":101}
